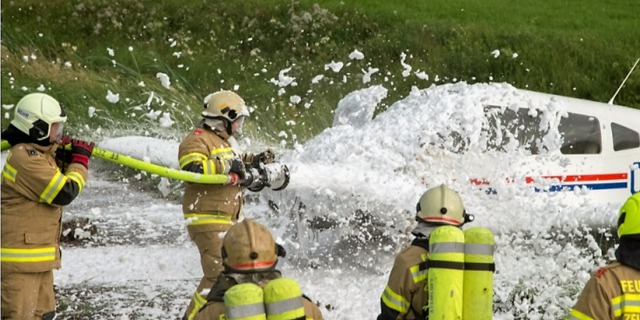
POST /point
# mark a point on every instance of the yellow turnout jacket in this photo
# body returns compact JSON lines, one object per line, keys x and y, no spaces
{"x":34,"y":190}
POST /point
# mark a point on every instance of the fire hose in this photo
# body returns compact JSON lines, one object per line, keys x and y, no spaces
{"x":272,"y":175}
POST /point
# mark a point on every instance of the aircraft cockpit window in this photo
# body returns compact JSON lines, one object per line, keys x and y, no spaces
{"x":624,"y":138}
{"x":581,"y":134}
{"x":509,"y":128}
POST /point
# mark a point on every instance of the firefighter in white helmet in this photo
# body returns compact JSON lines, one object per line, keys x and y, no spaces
{"x":250,"y":285}
{"x":613,"y":292}
{"x":405,"y":296}
{"x":35,"y":188}
{"x":210,"y":209}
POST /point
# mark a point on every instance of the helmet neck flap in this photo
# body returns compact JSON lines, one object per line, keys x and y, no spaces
{"x":14,"y":136}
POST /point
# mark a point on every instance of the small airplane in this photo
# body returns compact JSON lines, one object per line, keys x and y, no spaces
{"x":600,"y":149}
{"x":363,"y":176}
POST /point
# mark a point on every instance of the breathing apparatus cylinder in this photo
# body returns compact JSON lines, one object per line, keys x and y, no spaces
{"x":446,"y":273}
{"x":275,"y":176}
{"x":245,"y":302}
{"x":283,"y":300}
{"x":478,"y":274}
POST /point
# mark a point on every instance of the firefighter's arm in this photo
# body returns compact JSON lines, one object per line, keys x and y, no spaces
{"x":42,"y":182}
{"x":593,"y":303}
{"x":396,"y":298}
{"x":193,"y":156}
{"x":75,"y":179}
{"x":76,"y":172}
{"x":194,"y":162}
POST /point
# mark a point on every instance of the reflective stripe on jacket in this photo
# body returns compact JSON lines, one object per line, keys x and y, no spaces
{"x":33,"y":191}
{"x":613,"y":292}
{"x":208,"y":207}
{"x":404,"y":297}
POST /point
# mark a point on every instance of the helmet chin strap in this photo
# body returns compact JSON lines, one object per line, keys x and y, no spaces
{"x":227,"y":126}
{"x":467,"y":218}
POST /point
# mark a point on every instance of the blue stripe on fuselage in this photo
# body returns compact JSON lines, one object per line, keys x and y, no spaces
{"x":592,"y":186}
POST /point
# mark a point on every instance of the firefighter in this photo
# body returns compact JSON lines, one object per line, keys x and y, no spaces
{"x":210,"y":210}
{"x":405,"y":296}
{"x":34,"y":191}
{"x":250,"y":285}
{"x":613,"y":292}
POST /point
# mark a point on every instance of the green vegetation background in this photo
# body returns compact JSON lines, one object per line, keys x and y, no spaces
{"x":78,"y":50}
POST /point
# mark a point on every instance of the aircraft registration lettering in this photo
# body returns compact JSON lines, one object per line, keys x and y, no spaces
{"x":634,"y":178}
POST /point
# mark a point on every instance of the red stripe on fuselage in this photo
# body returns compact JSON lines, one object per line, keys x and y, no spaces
{"x":570,"y":178}
{"x":585,"y":177}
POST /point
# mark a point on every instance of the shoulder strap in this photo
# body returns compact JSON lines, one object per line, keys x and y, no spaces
{"x":421,"y":242}
{"x":424,"y":244}
{"x":223,"y":283}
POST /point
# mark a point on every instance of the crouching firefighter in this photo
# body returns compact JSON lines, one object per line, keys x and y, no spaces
{"x":250,"y":287}
{"x":432,"y":267}
{"x":210,"y":209}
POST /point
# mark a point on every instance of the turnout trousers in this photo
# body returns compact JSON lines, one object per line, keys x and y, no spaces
{"x":210,"y":247}
{"x":27,"y":296}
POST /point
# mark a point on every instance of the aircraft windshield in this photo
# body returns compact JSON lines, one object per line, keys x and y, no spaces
{"x":507,"y":130}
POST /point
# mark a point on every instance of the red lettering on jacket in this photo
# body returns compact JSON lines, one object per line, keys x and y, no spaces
{"x":600,"y":272}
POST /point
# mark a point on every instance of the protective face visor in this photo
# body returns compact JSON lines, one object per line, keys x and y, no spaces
{"x":238,"y":123}
{"x":59,"y":131}
{"x":42,"y":130}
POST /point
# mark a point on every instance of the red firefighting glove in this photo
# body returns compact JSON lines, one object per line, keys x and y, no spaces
{"x":81,"y":152}
{"x":65,"y":140}
{"x":233,"y":179}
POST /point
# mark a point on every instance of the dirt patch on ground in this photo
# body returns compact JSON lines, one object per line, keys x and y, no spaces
{"x":138,"y":300}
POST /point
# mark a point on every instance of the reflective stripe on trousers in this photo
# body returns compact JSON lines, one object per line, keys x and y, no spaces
{"x":195,"y":219}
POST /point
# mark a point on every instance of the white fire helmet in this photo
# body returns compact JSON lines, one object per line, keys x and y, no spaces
{"x":225,"y":105}
{"x":35,"y":113}
{"x":442,"y":206}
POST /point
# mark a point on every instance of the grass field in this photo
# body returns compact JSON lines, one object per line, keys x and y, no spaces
{"x":80,"y":50}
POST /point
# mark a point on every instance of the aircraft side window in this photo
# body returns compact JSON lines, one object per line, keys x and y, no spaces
{"x":624,"y":138}
{"x":581,"y":134}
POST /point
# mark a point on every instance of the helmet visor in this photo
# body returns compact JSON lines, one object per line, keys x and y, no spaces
{"x":238,"y":124}
{"x":59,"y":129}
